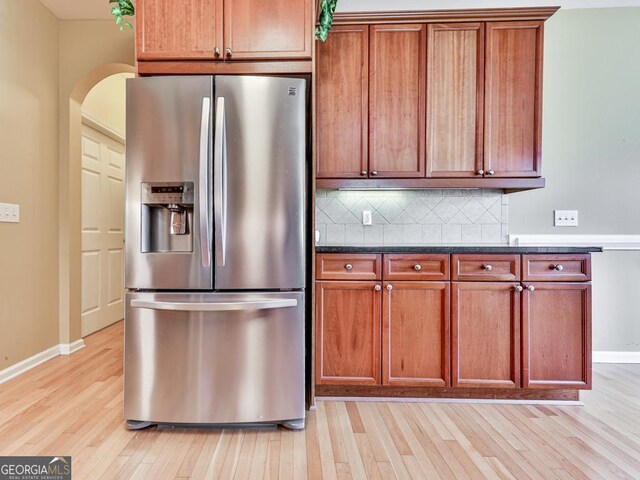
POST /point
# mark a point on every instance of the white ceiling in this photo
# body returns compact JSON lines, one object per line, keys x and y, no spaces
{"x":100,"y":9}
{"x":79,"y":9}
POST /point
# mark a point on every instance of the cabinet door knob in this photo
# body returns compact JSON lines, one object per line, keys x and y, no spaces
{"x":216,"y":51}
{"x":480,"y":172}
{"x":228,"y":52}
{"x":377,"y":288}
{"x":519,"y":288}
{"x":558,"y":267}
{"x":389,"y":287}
{"x":491,"y":172}
{"x":531,"y":288}
{"x":488,"y":268}
{"x":374,"y":173}
{"x":348,"y":266}
{"x":417,"y":268}
{"x":363,"y":173}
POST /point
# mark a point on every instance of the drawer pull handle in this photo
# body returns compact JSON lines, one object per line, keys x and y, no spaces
{"x":519,"y":288}
{"x":377,"y":288}
{"x":531,"y":288}
{"x":559,"y":268}
{"x":389,"y":287}
{"x":488,"y":268}
{"x":417,"y":268}
{"x":348,"y":266}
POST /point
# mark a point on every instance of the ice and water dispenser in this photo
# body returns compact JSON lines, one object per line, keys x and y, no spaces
{"x":167,"y":217}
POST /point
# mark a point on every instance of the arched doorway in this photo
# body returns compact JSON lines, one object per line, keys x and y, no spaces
{"x":102,"y":229}
{"x":70,"y":213}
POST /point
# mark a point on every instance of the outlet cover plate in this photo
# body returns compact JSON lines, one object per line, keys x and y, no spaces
{"x":9,"y":213}
{"x":566,"y":218}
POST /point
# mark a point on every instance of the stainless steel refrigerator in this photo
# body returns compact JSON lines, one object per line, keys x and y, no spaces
{"x":215,"y":256}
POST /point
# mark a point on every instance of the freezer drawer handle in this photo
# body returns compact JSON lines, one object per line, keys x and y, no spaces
{"x":203,"y":188}
{"x":216,"y":307}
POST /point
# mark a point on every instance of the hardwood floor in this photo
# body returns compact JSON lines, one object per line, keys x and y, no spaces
{"x":73,"y":406}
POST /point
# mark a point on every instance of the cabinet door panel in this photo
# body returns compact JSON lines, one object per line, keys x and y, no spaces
{"x":397,"y":101}
{"x":191,"y":32}
{"x":513,"y":98}
{"x":485,"y":335}
{"x":415,"y":334}
{"x":342,"y":110}
{"x":347,"y":333}
{"x":556,"y":336}
{"x":268,"y":29}
{"x":455,"y":91}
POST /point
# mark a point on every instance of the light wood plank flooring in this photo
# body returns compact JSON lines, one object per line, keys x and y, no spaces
{"x":73,"y":406}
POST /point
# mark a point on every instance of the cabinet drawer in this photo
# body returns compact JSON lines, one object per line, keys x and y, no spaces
{"x":490,"y":268}
{"x":556,"y":268}
{"x":415,"y":267}
{"x":336,"y":266}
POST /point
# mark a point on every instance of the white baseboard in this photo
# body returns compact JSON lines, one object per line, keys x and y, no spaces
{"x":35,"y":360}
{"x":607,"y":242}
{"x":616,"y":357}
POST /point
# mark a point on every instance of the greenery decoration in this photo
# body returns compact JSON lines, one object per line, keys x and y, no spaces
{"x":121,"y":9}
{"x":328,"y":7}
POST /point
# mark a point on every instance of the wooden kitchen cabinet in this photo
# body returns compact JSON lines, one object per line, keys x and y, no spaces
{"x":556,"y":335}
{"x":415,"y":334}
{"x":193,"y":31}
{"x":485,"y":335}
{"x":224,"y":30}
{"x":455,"y":92}
{"x":342,"y":103}
{"x":397,"y":68}
{"x":348,"y":333}
{"x":513,"y":99}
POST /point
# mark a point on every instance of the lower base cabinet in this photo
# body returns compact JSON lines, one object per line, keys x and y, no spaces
{"x":415,"y":334}
{"x":485,"y":334}
{"x":348,"y":333}
{"x":556,"y":335}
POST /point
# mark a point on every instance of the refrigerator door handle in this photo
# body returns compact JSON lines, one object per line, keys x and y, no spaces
{"x":216,"y":307}
{"x":203,"y":197}
{"x":220,"y":182}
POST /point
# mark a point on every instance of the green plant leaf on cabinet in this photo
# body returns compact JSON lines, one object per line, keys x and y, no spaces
{"x":328,"y":7}
{"x":121,"y":9}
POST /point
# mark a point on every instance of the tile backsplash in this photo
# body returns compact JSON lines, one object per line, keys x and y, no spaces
{"x":412,"y":217}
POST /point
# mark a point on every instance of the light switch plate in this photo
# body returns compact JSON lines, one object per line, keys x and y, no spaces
{"x":367,"y":219}
{"x":566,"y":218}
{"x":9,"y":213}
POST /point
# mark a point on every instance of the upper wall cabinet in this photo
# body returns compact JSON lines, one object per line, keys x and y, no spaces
{"x":397,"y":100}
{"x":453,"y":103}
{"x":342,"y":98}
{"x":224,"y":30}
{"x":513,"y":77}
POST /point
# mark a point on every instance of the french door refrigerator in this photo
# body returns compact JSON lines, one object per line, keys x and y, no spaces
{"x":215,"y":257}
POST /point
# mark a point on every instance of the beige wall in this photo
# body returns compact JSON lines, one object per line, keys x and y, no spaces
{"x":28,"y":173}
{"x":106,"y":102}
{"x":90,"y":50}
{"x":591,"y":151}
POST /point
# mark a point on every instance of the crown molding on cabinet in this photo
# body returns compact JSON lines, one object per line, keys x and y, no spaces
{"x":445,"y":16}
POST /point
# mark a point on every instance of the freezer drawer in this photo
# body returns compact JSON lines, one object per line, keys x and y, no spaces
{"x":214,"y":358}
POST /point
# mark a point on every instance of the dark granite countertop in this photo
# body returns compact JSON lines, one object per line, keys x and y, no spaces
{"x":458,"y":249}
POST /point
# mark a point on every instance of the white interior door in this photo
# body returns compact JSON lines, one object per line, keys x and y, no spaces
{"x":102,"y":230}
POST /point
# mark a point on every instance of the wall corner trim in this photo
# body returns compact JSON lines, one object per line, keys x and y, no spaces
{"x":39,"y":358}
{"x":607,"y":242}
{"x":616,"y":357}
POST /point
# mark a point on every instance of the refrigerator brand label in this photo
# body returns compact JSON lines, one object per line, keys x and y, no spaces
{"x":293,"y":91}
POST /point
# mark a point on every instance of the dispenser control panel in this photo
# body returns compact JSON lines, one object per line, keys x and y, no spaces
{"x":179,"y":193}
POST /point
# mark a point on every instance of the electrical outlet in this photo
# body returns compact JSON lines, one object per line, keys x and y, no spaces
{"x":9,"y":213}
{"x":367,"y":219}
{"x":566,"y":218}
